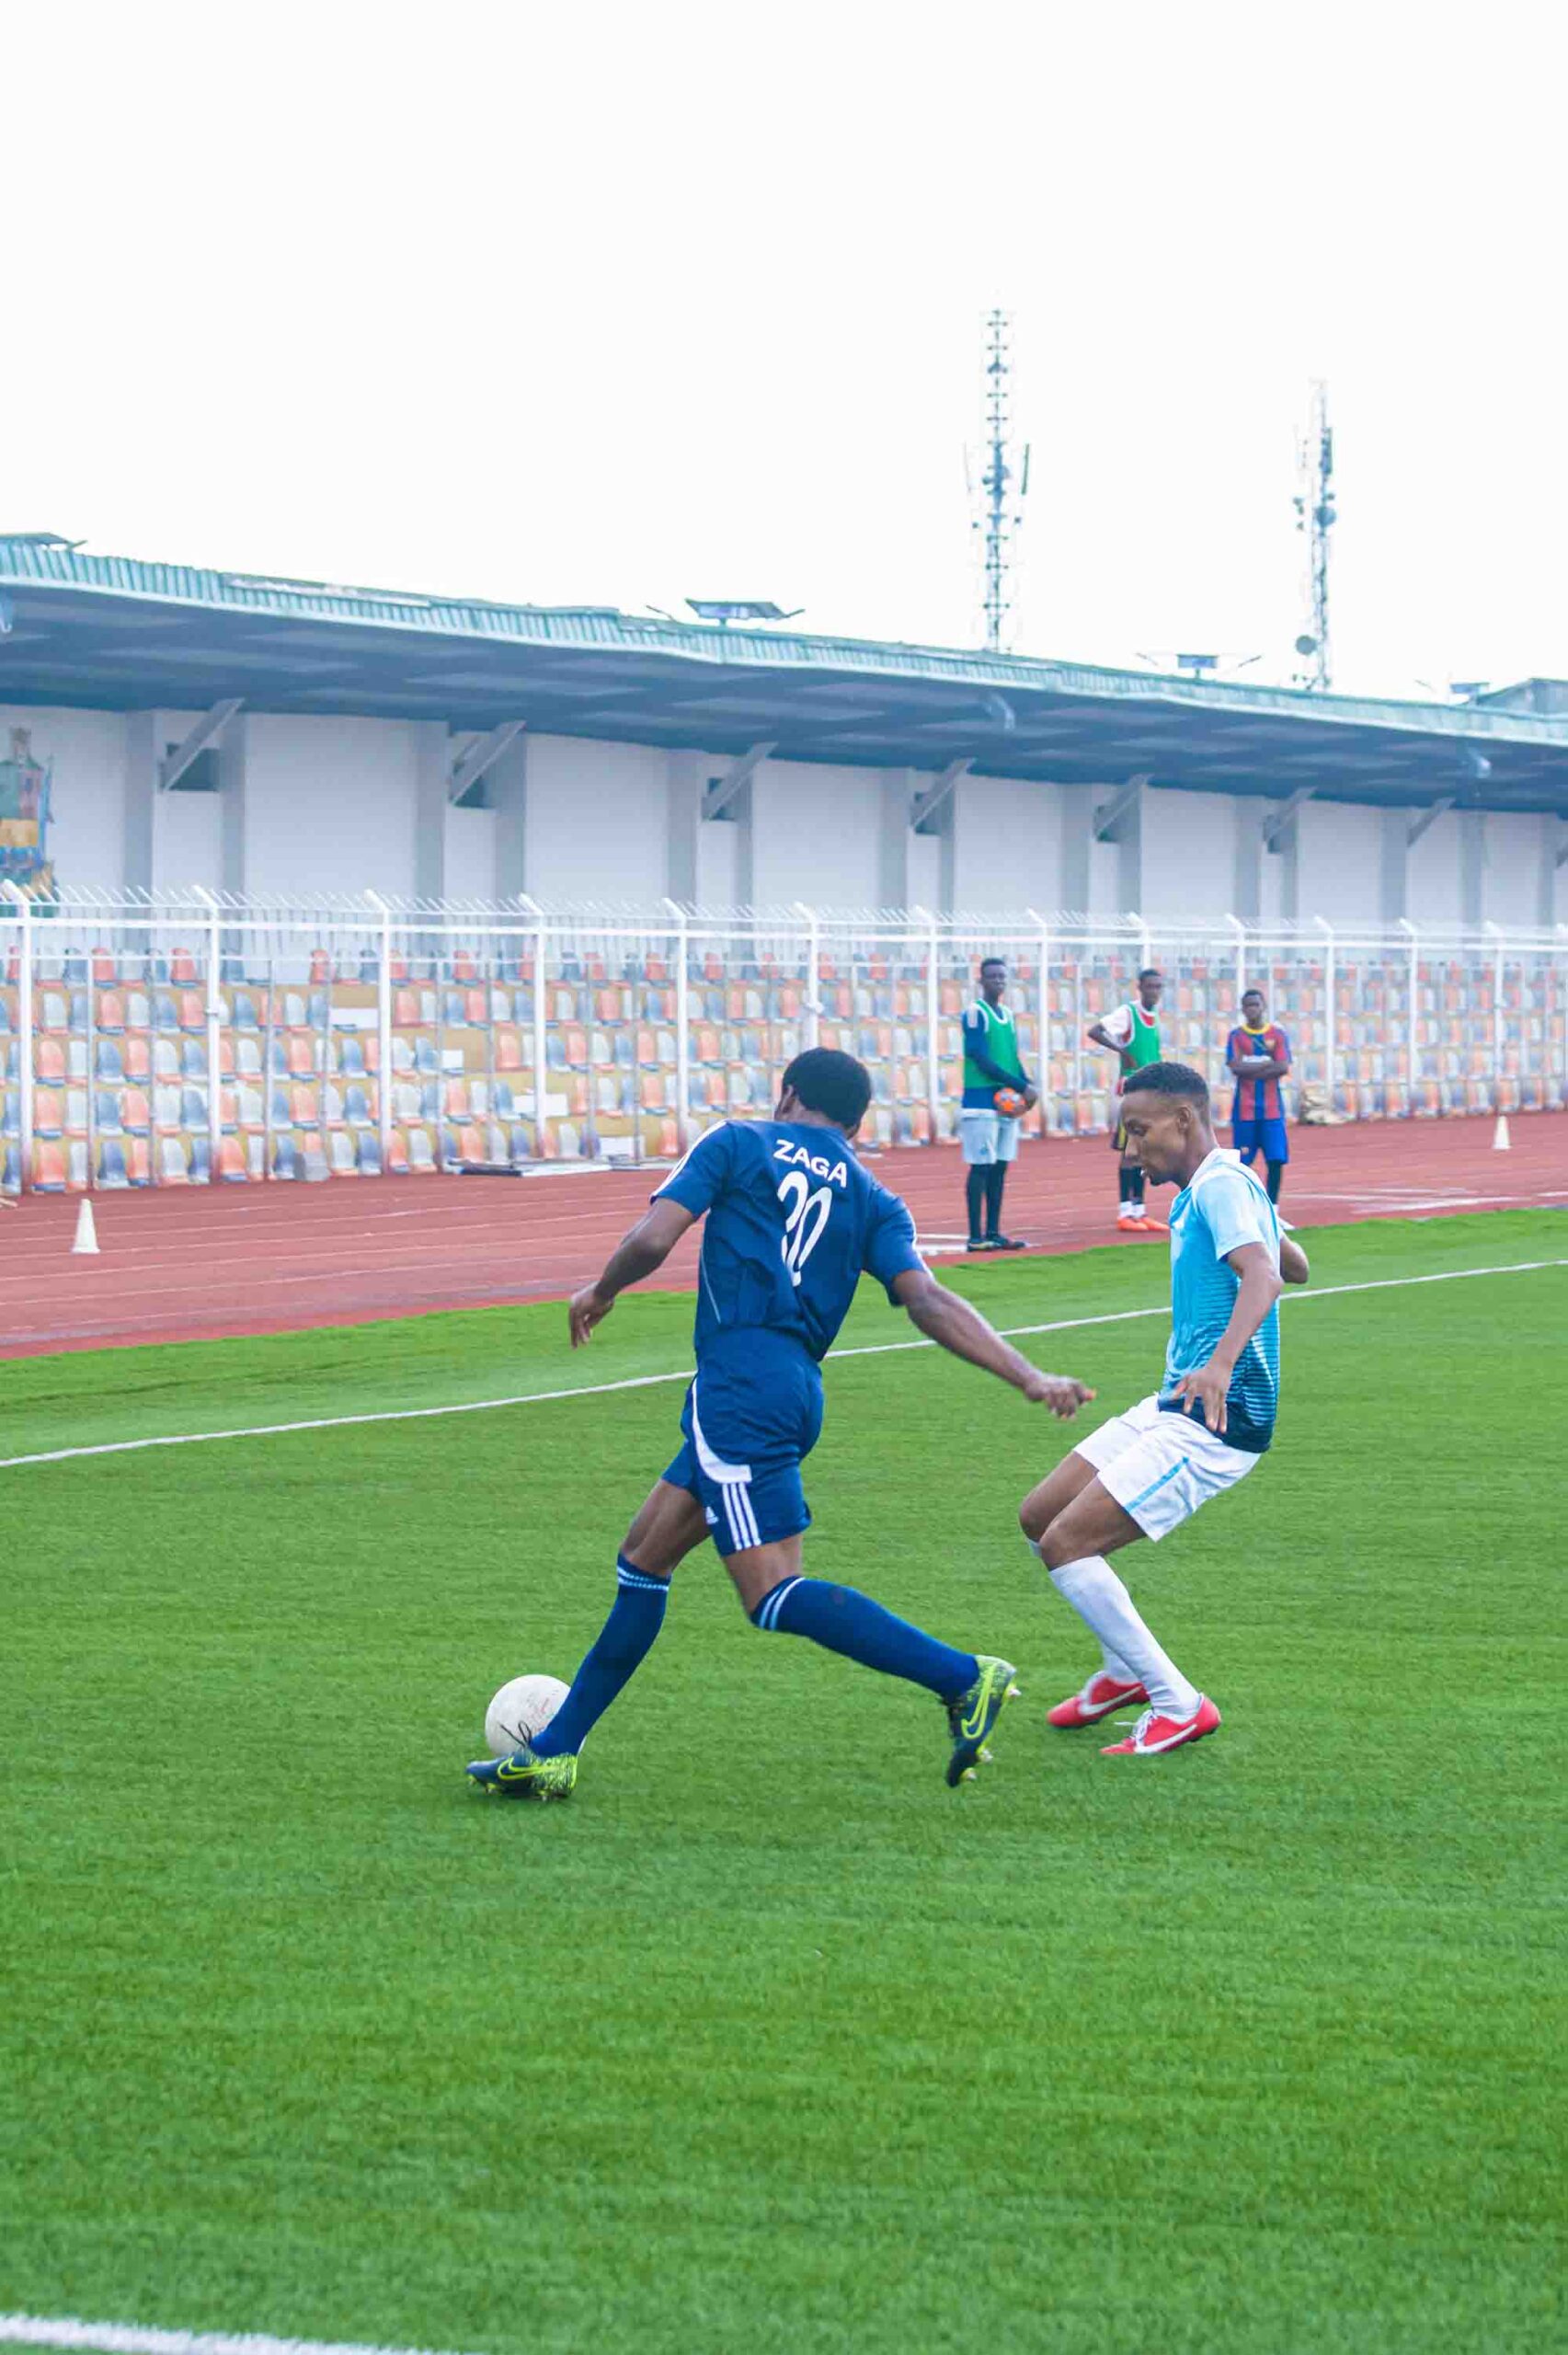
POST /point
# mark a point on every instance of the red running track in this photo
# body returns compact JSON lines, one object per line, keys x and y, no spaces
{"x":186,"y":1266}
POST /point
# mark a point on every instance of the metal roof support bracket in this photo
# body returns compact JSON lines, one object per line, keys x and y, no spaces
{"x":481,"y":755}
{"x":720,"y":791}
{"x":1274,"y":828}
{"x":207,"y":730}
{"x":1110,"y":815}
{"x":924,"y":806}
{"x":1424,"y":818}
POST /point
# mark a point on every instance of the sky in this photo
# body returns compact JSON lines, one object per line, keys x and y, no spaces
{"x":616,"y":305}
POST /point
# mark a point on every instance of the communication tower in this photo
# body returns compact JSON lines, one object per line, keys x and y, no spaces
{"x":1315,"y":519}
{"x":1003,"y":483}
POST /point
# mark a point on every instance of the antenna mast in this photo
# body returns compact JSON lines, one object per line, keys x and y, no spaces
{"x":1316,"y":516}
{"x":1004,"y":483}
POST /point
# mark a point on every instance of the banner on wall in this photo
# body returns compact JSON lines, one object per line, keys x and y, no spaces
{"x":24,"y":818}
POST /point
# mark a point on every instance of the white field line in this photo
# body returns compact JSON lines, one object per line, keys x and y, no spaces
{"x":126,"y":2338}
{"x":684,"y":1373}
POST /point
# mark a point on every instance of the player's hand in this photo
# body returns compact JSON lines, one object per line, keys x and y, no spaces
{"x":1205,"y":1387}
{"x":1060,"y":1392}
{"x":587,"y":1309}
{"x":1031,"y":1097}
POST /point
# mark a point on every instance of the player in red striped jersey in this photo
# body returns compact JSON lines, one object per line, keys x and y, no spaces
{"x":1258,"y":1055}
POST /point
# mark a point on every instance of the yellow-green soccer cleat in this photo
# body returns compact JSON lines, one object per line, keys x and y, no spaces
{"x":523,"y":1777}
{"x":974,"y":1713}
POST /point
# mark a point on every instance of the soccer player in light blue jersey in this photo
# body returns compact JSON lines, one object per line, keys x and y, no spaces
{"x":1144,"y":1473}
{"x":791,"y":1221}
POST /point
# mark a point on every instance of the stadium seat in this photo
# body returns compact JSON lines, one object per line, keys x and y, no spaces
{"x":49,"y":1062}
{"x":49,"y":1112}
{"x":49,"y":1168}
{"x":108,"y":1063}
{"x":304,"y":1108}
{"x":165,"y":1010}
{"x":201,"y":1161}
{"x":173,"y":1168}
{"x":113,"y":1173}
{"x":342,"y":1160}
{"x":509,"y":1050}
{"x":352,"y":1058}
{"x":357,"y":1107}
{"x":368,"y":1152}
{"x":421,"y":1154}
{"x":75,"y":1111}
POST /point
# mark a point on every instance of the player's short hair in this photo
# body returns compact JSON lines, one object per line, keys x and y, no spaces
{"x":1169,"y":1079}
{"x":827,"y":1080}
{"x":1257,"y":994}
{"x":987,"y":962}
{"x":1151,"y":974}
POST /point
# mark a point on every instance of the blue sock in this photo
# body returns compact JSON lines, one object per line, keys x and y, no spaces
{"x":842,"y":1621}
{"x":626,"y":1637}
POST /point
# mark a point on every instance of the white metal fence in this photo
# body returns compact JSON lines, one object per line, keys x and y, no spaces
{"x":196,"y":1039}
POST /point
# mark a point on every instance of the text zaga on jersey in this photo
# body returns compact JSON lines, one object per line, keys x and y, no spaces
{"x":835,"y":1172}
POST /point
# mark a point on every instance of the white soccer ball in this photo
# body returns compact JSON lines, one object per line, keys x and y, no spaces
{"x":520,"y":1709}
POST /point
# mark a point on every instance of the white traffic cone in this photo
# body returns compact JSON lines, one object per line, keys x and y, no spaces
{"x":1500,"y":1140}
{"x":86,"y":1233}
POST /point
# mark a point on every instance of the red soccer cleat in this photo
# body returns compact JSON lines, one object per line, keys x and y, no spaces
{"x":1129,"y":1226}
{"x":1098,"y":1698}
{"x":1154,"y":1734}
{"x":1152,"y":1225}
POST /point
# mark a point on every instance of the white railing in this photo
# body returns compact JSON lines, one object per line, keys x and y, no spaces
{"x":199,"y":1036}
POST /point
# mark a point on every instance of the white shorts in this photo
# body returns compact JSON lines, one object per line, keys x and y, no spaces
{"x":1160,"y":1468}
{"x":986,"y":1137}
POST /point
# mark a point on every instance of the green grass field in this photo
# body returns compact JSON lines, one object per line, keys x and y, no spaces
{"x":769,"y":2042}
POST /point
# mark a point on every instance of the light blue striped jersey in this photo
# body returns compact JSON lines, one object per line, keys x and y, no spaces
{"x":1222,"y":1206}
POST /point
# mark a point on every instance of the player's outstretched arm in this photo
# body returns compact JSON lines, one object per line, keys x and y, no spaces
{"x":639,"y":1252}
{"x":950,"y":1321}
{"x":1293,"y":1264}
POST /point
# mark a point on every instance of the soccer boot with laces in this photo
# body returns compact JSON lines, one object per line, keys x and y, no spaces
{"x":524,"y":1776}
{"x":1149,"y":1224}
{"x":1096,"y":1700}
{"x":1155,"y":1733}
{"x":971,"y":1716}
{"x":1005,"y":1243}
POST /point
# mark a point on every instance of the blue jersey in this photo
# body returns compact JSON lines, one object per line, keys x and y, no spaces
{"x":792,"y":1220}
{"x":1222,"y":1206}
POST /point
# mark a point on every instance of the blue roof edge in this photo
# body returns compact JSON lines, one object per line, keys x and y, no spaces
{"x":36,"y":561}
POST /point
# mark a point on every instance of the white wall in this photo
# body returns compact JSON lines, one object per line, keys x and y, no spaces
{"x":1434,"y":889}
{"x":814,"y":834}
{"x":1339,"y":862}
{"x":1188,"y":853}
{"x":1008,"y":848}
{"x":596,"y":821}
{"x":86,"y":832}
{"x":1510,"y":890}
{"x":329,"y":805}
{"x":470,"y":854}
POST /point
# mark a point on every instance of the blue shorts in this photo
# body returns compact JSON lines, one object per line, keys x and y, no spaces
{"x":751,"y":1417}
{"x":1266,"y":1137}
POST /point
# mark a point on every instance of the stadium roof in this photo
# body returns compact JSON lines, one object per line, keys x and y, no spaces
{"x":114,"y":633}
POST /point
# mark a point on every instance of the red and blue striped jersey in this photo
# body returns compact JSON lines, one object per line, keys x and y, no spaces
{"x":1258,"y":1100}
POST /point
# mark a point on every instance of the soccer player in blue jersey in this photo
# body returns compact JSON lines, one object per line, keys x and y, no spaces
{"x":793,"y":1220}
{"x":1144,"y":1473}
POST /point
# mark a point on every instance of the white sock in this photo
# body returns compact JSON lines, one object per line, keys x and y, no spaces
{"x":1116,"y":1666}
{"x":1106,"y":1607}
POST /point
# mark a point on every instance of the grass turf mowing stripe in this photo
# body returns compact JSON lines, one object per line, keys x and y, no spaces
{"x":684,"y":1373}
{"x":130,"y":2338}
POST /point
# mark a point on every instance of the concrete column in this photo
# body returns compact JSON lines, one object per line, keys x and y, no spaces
{"x":1246,"y":888}
{"x":1473,"y":865}
{"x":897,"y":786}
{"x":141,"y":799}
{"x":1553,"y":840}
{"x":1285,"y":849}
{"x":1128,"y":839}
{"x":233,"y":812}
{"x":1394,"y":865}
{"x":685,"y":781}
{"x":1077,"y":844}
{"x":430,"y":809}
{"x":508,"y":781}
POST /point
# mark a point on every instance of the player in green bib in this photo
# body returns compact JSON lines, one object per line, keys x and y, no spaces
{"x":992,"y":1068}
{"x":1132,"y":1033}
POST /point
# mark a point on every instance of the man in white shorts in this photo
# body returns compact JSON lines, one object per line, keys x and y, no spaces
{"x":1144,"y":1473}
